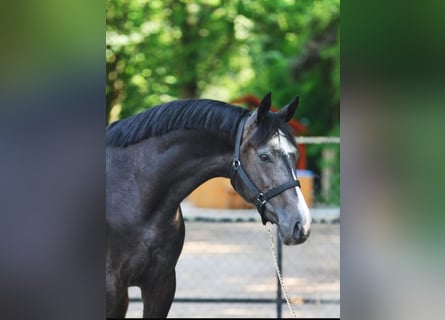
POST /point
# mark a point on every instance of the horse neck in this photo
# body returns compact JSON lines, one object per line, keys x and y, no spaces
{"x":183,"y":160}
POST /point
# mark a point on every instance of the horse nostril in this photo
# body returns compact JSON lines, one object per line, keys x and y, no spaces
{"x":298,"y":228}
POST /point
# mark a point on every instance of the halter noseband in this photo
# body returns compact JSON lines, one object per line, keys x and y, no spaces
{"x":236,"y":169}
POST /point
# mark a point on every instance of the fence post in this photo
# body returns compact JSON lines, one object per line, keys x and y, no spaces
{"x":280,"y":263}
{"x":328,"y":156}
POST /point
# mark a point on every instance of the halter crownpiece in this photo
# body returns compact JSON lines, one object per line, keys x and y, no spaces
{"x":261,"y":198}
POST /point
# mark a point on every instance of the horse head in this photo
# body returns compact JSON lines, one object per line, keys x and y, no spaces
{"x":263,"y":170}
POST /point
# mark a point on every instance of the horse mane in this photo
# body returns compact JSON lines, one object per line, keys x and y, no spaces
{"x":176,"y":115}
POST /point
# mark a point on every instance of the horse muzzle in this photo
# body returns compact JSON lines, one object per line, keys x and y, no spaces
{"x":295,"y":236}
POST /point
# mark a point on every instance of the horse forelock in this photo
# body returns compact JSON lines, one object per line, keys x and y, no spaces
{"x":273,"y":126}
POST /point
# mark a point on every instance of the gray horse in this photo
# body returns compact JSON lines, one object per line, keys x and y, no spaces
{"x":158,"y":157}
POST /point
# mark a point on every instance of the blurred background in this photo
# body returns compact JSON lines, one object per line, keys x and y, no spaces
{"x":237,"y":51}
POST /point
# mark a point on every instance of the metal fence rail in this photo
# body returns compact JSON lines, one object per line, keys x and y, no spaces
{"x":317,"y":140}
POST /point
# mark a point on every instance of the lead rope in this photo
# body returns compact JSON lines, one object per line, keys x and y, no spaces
{"x":275,"y":260}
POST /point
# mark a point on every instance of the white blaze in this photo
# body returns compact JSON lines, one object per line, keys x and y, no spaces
{"x":304,"y":209}
{"x":280,"y":142}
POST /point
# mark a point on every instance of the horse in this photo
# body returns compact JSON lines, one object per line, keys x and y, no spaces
{"x":156,"y":158}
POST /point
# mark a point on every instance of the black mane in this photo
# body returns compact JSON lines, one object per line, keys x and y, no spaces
{"x":175,"y":115}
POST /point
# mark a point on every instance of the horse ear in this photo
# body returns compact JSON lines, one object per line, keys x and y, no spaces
{"x":288,"y":111}
{"x":264,"y":107}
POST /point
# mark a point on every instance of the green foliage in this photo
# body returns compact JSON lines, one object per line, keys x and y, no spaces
{"x":163,"y":50}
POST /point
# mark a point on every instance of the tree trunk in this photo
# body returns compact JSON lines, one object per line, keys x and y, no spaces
{"x":188,"y":54}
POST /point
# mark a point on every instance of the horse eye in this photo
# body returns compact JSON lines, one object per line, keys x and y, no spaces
{"x":264,"y":157}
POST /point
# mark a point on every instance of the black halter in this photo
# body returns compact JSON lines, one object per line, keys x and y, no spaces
{"x":260,"y":197}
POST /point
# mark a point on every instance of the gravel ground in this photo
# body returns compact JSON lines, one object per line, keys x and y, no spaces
{"x":223,"y":259}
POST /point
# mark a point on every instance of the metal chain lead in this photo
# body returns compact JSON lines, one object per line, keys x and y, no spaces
{"x":275,"y":260}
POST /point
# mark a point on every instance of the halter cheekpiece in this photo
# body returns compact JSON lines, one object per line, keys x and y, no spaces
{"x":261,"y":198}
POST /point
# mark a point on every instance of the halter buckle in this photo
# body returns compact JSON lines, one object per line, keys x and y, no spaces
{"x":260,"y":199}
{"x":236,"y":164}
